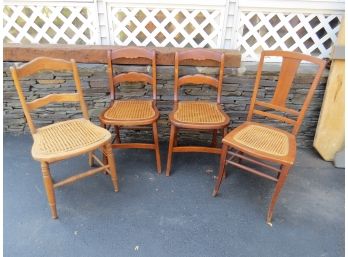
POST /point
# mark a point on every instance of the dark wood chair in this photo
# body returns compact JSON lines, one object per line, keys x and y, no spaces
{"x":265,"y":145}
{"x":65,"y":139}
{"x":197,"y":115}
{"x":132,"y":113}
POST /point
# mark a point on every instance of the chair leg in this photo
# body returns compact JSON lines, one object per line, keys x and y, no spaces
{"x":90,"y":159}
{"x":157,"y":150}
{"x":225,"y":131}
{"x":112,"y":165}
{"x":105,"y":160}
{"x":48,"y":183}
{"x":214,"y":139}
{"x":176,"y":137}
{"x":170,"y":149}
{"x":117,"y":135}
{"x":221,"y":169}
{"x":282,"y":178}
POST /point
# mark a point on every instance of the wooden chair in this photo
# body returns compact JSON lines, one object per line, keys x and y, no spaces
{"x":197,"y":115}
{"x":65,"y":139}
{"x":134,"y":113}
{"x":253,"y":142}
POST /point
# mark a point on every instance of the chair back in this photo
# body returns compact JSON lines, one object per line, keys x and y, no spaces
{"x":47,"y":64}
{"x":132,"y":53}
{"x":288,"y":70}
{"x":198,"y":79}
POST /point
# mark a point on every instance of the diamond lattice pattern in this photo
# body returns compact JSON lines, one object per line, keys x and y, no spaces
{"x":166,"y":27}
{"x":311,"y":34}
{"x":48,"y":24}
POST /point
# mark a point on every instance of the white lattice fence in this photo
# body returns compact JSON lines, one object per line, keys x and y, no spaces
{"x":311,"y":34}
{"x":166,"y":26}
{"x":250,"y":25}
{"x":52,"y":23}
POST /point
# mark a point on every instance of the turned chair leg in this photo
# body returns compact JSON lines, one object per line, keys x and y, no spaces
{"x":170,"y":149}
{"x":157,"y":150}
{"x":221,"y":169}
{"x":48,"y":183}
{"x":112,"y":165}
{"x":281,"y":181}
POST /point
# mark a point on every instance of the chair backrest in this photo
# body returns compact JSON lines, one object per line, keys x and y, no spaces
{"x":288,"y":70}
{"x":198,"y":79}
{"x":47,"y":64}
{"x":132,"y":53}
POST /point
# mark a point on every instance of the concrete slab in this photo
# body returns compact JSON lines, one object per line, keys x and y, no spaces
{"x":155,"y":215}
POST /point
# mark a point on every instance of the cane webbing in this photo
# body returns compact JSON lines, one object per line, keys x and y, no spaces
{"x":130,"y":110}
{"x":263,"y":139}
{"x":64,"y":137}
{"x":198,"y":112}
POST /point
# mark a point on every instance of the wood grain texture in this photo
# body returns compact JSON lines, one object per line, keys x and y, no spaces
{"x":98,"y":54}
{"x":329,"y":136}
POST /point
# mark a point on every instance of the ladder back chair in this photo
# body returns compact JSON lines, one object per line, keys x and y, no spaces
{"x":65,"y":139}
{"x":132,"y":113}
{"x":265,"y":145}
{"x":197,"y":115}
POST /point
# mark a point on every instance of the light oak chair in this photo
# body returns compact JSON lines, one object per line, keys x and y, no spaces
{"x":197,"y":115}
{"x":65,"y":139}
{"x":133,"y":113}
{"x":262,"y":144}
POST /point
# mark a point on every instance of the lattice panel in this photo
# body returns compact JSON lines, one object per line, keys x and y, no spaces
{"x":312,"y":34}
{"x":166,"y":27}
{"x":49,"y":24}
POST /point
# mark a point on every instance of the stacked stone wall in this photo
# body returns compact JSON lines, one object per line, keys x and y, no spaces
{"x":236,"y":94}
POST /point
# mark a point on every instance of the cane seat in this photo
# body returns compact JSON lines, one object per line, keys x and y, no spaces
{"x":67,"y":138}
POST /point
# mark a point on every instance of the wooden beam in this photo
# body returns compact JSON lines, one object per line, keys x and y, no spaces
{"x":330,"y":134}
{"x":97,"y":54}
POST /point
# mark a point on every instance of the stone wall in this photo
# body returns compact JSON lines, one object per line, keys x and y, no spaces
{"x":236,"y":94}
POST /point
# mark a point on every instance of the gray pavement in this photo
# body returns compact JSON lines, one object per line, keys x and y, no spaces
{"x":155,"y":215}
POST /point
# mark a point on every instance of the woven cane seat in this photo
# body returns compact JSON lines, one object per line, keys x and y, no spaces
{"x":261,"y":138}
{"x":195,"y":112}
{"x":67,"y":138}
{"x":130,"y":110}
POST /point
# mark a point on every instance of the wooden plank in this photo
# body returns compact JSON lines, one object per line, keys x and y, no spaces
{"x":97,"y":54}
{"x":338,"y":52}
{"x":329,"y":136}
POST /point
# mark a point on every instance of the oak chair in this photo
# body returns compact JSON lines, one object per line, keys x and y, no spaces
{"x":65,"y":139}
{"x":133,"y":113}
{"x":266,"y":145}
{"x":197,"y":115}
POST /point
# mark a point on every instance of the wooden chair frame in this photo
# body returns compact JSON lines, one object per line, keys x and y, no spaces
{"x":50,"y":64}
{"x":114,"y":80}
{"x":197,"y":55}
{"x":238,"y":153}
